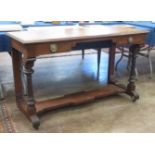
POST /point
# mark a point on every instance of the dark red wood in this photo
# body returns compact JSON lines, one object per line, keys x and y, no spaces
{"x":31,"y":108}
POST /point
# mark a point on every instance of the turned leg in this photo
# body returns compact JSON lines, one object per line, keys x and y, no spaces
{"x":131,"y":82}
{"x":129,"y":65}
{"x":28,"y":64}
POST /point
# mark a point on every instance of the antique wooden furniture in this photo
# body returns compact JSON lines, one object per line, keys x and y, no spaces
{"x":5,"y":43}
{"x":32,"y":44}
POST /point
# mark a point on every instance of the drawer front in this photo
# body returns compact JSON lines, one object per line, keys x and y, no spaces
{"x":33,"y":50}
{"x":50,"y":48}
{"x":140,"y":39}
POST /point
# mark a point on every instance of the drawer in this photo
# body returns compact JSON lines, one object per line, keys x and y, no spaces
{"x":140,"y":39}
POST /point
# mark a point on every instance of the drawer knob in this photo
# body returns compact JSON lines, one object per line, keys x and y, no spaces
{"x":130,"y":40}
{"x":53,"y":48}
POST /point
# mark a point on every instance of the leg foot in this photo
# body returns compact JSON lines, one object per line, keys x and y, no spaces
{"x":35,"y":121}
{"x":134,"y":96}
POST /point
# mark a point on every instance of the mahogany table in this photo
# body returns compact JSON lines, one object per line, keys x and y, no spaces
{"x":28,"y":45}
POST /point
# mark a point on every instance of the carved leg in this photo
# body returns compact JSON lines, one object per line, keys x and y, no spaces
{"x":131,"y":85}
{"x":129,"y":65}
{"x":27,"y":108}
{"x":28,"y":64}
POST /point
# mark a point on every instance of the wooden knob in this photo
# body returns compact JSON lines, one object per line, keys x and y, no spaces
{"x":53,"y":48}
{"x":130,"y":40}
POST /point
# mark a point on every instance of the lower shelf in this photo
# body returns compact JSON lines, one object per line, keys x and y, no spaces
{"x":78,"y":98}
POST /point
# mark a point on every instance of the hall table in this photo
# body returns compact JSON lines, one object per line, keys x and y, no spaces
{"x":28,"y":45}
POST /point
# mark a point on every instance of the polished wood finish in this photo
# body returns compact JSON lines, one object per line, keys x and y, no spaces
{"x":77,"y":98}
{"x":68,"y":33}
{"x":36,"y":43}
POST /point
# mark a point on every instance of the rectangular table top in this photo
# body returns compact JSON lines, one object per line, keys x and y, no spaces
{"x":10,"y":27}
{"x":66,"y":33}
